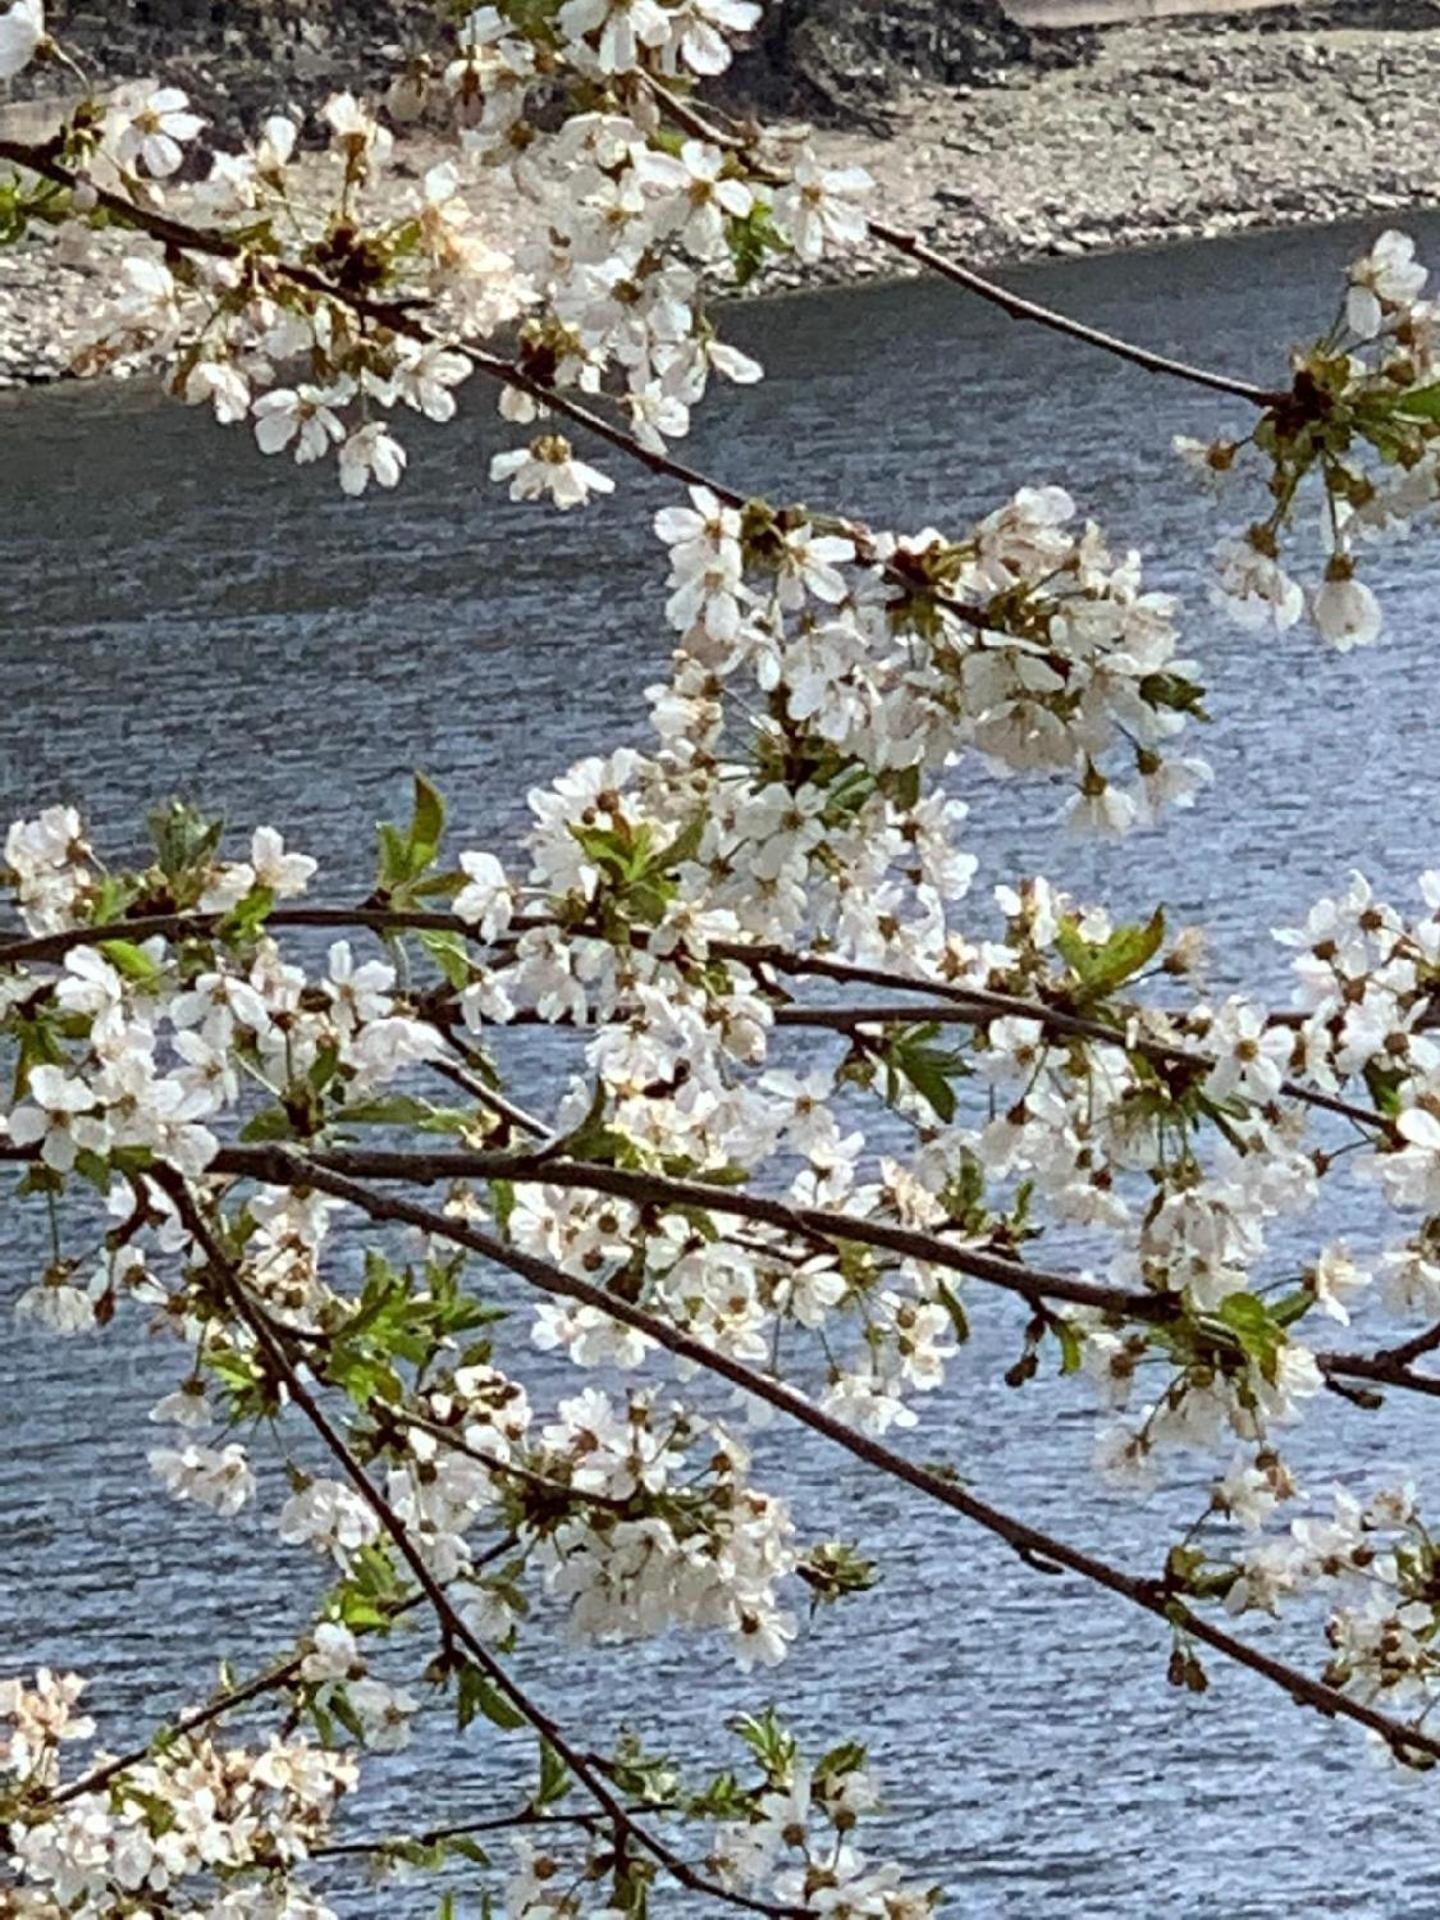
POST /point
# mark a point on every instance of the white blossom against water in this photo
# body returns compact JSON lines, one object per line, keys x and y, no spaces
{"x":813,"y":1091}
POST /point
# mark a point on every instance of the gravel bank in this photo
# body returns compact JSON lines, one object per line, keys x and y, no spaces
{"x":1168,"y":133}
{"x":1177,"y":133}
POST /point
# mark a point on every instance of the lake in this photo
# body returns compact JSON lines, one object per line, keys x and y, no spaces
{"x":181,"y":616}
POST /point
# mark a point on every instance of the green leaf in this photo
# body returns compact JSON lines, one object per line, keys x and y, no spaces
{"x":554,"y":1777}
{"x":22,"y":201}
{"x":683,"y":847}
{"x":1421,"y":403}
{"x":1384,"y":1085}
{"x":245,"y":920}
{"x":750,"y":238}
{"x":912,"y":1056}
{"x":502,"y":1202}
{"x":183,"y":838}
{"x":1293,"y":1307}
{"x":959,"y":1319}
{"x":340,"y":1706}
{"x":1102,"y":966}
{"x":593,"y":1139}
{"x":404,"y":858}
{"x":1072,"y":1347}
{"x":479,"y":1694}
{"x":768,"y":1739}
{"x":93,"y":1167}
{"x":131,"y":962}
{"x":1174,"y":691}
{"x":428,"y":823}
{"x":394,"y":856}
{"x":849,"y":1758}
{"x":1258,"y":1335}
{"x":112,"y":896}
{"x":449,"y":952}
{"x":392,"y":1110}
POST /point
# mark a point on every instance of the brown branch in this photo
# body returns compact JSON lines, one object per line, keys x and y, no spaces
{"x":383,"y":1411}
{"x":1018,"y":308}
{"x":501,"y":1823}
{"x":1031,"y":1543}
{"x":99,"y":1777}
{"x":1384,"y":1369}
{"x":754,"y":955}
{"x":977,"y":1010}
{"x":1008,"y":1005}
{"x":469,"y":1080}
{"x":816,"y":1224}
{"x":399,"y":317}
{"x":1390,"y":1367}
{"x":267,"y":1682}
{"x":199,"y":926}
{"x":1409,"y":1350}
{"x":898,"y":240}
{"x":456,"y":1632}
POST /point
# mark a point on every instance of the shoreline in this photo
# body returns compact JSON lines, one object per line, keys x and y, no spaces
{"x":1172,"y":133}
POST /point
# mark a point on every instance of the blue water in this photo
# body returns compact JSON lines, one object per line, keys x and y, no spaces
{"x":180,"y":615}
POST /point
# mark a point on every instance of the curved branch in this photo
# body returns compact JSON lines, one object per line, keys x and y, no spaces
{"x":227,"y":1278}
{"x":752,"y":954}
{"x":1031,"y":1543}
{"x":1019,"y":308}
{"x":268,"y":1682}
{"x":898,"y":240}
{"x":287,"y":1166}
{"x":195,"y":925}
{"x":823,"y":1224}
{"x":1390,"y":1367}
{"x":399,"y":316}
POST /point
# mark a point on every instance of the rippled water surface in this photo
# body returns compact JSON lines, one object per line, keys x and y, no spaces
{"x":181,"y":616}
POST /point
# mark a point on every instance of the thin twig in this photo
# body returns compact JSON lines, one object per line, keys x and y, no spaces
{"x":1382,"y":1368}
{"x":1019,"y":308}
{"x":687,"y":116}
{"x":501,"y":1823}
{"x":505,"y":1469}
{"x":100,"y":1777}
{"x":267,"y":1682}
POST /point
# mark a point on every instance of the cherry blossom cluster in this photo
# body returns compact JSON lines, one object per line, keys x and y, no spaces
{"x":1358,"y":428}
{"x":881,"y":658}
{"x":316,"y":275}
{"x":200,"y":1828}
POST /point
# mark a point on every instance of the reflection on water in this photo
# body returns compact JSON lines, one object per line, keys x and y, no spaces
{"x":181,"y":616}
